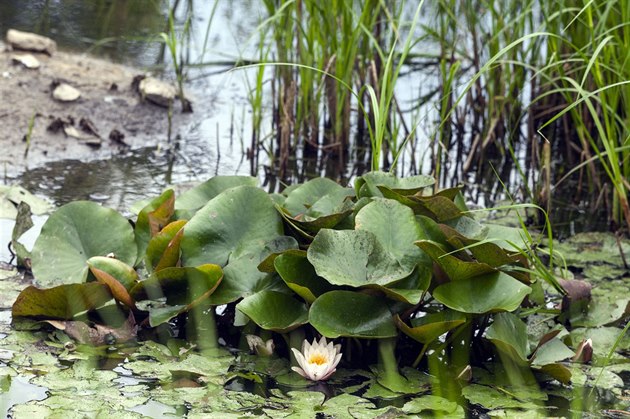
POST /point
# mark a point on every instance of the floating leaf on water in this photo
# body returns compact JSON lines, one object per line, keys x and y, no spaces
{"x":491,"y":398}
{"x":16,"y":194}
{"x":429,"y":402}
{"x":73,"y":234}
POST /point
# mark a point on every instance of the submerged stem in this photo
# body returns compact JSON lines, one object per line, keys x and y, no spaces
{"x":204,"y":327}
{"x":388,"y":366}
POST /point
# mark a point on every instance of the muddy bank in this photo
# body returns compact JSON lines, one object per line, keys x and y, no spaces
{"x":107,"y":100}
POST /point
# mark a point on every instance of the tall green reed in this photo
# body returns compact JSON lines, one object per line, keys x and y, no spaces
{"x":355,"y":44}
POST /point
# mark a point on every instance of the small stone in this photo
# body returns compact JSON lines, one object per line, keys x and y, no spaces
{"x":30,"y":42}
{"x":157,"y":91}
{"x":66,"y":93}
{"x":27,"y":60}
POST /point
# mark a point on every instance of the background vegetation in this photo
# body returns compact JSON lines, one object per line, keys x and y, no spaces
{"x":534,"y":94}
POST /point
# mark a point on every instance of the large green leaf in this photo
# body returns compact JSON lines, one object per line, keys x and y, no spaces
{"x":428,"y":328}
{"x":483,"y":294}
{"x":551,"y":352}
{"x":299,"y":275}
{"x":273,"y":310}
{"x":180,"y":285}
{"x":455,"y":268}
{"x":354,"y":258}
{"x":303,"y":197}
{"x":509,"y":335}
{"x":242,"y":278}
{"x":184,"y":288}
{"x":395,"y":228}
{"x":437,"y":207}
{"x":352,"y":314}
{"x":237,"y":221}
{"x":75,"y":233}
{"x":195,"y":198}
{"x":61,"y":302}
{"x":367,"y":185}
{"x":273,"y":249}
{"x":318,"y":203}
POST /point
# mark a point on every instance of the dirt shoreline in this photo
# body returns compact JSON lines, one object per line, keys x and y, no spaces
{"x":107,"y":100}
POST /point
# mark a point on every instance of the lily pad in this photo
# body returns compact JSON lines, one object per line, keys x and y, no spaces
{"x":242,"y":278}
{"x":491,"y":398}
{"x":299,"y":275}
{"x":62,"y":302}
{"x":301,"y":199}
{"x":237,"y":221}
{"x":354,"y":258}
{"x":273,"y":249}
{"x":195,"y":198}
{"x":456,"y":268}
{"x":429,"y":402}
{"x":12,"y":196}
{"x":509,"y":335}
{"x":367,"y":185}
{"x":318,"y":203}
{"x":551,"y":352}
{"x":428,"y":328}
{"x":73,"y":234}
{"x":273,"y":310}
{"x":352,"y":314}
{"x":482,"y":294}
{"x":397,"y":238}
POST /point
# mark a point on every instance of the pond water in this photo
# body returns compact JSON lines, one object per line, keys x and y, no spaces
{"x":127,"y":32}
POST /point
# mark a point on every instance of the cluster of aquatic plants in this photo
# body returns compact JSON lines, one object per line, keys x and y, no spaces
{"x":384,"y":265}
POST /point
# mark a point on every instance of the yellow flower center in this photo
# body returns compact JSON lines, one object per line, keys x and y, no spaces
{"x":318,"y":359}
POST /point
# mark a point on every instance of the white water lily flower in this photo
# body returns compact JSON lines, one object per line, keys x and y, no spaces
{"x":318,"y":360}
